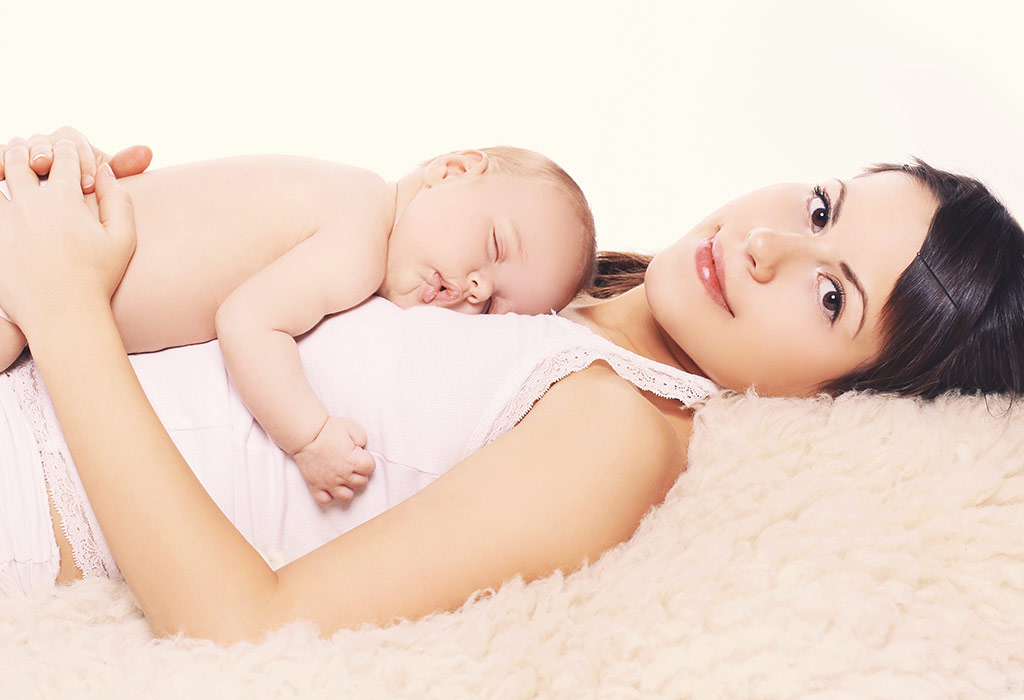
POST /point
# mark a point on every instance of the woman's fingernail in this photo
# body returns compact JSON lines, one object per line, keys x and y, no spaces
{"x":105,"y":167}
{"x":38,"y":157}
{"x":87,"y":181}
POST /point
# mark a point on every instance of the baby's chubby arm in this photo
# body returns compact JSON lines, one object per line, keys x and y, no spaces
{"x":334,"y":269}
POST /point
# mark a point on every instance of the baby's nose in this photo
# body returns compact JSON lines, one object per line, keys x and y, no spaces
{"x":480,"y":287}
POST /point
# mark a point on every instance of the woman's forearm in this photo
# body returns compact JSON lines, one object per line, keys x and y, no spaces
{"x":188,"y":566}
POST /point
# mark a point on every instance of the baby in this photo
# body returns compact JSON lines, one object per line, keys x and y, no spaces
{"x":256,"y":251}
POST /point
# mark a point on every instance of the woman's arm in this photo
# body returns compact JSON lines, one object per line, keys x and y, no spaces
{"x":565,"y":485}
{"x":63,"y":265}
{"x":574,"y":478}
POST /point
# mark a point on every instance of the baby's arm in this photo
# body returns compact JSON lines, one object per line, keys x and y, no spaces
{"x":334,"y":269}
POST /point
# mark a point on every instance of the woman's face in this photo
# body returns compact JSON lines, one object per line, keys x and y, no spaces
{"x":782,"y":289}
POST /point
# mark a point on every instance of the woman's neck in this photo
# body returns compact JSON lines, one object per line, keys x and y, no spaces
{"x":627,"y":321}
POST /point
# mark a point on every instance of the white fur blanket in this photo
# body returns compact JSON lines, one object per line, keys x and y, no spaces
{"x":857,"y":548}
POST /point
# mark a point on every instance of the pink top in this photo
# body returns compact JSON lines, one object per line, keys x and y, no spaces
{"x":429,"y":386}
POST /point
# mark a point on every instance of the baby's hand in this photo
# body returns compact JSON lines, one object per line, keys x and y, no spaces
{"x":129,"y":161}
{"x":335,"y":463}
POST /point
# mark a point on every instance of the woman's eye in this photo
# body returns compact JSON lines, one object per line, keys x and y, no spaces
{"x":832,"y":297}
{"x":821,"y":209}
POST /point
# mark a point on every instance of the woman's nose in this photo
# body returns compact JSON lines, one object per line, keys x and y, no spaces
{"x":768,"y":249}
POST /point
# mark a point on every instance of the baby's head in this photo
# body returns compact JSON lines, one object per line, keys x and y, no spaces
{"x":495,"y":230}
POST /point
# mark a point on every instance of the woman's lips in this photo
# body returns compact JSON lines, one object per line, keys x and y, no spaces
{"x":440,"y":289}
{"x":709,"y":270}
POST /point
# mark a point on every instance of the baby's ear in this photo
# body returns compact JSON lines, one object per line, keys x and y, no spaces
{"x":455,"y":164}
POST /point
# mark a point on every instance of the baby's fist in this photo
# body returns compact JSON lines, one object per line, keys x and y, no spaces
{"x":335,"y":463}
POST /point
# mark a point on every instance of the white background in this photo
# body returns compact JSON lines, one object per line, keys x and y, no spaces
{"x":662,"y":110}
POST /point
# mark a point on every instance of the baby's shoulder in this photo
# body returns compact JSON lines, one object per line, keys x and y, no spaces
{"x":345,"y":184}
{"x":346,"y":203}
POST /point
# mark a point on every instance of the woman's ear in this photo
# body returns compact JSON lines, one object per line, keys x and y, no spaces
{"x":453,"y":165}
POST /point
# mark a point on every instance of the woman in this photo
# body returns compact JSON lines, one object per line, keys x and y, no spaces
{"x":791,"y":289}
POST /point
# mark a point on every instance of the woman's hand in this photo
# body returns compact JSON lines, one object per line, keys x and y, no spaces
{"x":56,"y":254}
{"x":129,"y":161}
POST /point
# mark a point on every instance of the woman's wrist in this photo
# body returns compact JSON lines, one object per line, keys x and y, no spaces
{"x":73,"y":334}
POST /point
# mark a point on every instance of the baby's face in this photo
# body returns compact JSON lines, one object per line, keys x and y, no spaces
{"x":488,"y":243}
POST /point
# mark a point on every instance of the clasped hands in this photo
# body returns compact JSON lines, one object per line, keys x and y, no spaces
{"x":57,"y":251}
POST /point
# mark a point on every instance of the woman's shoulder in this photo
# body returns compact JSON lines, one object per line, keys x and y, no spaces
{"x":601,"y":406}
{"x":544,"y":350}
{"x":610,"y":393}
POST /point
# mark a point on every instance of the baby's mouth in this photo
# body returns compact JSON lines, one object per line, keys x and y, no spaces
{"x":440,"y":289}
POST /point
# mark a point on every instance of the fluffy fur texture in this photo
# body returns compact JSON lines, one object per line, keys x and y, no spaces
{"x":856,"y":548}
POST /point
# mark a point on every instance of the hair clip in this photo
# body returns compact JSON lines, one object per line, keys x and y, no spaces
{"x":937,"y":280}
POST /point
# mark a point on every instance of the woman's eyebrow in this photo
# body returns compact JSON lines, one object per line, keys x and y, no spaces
{"x":839,"y":201}
{"x":847,"y":270}
{"x":849,"y":275}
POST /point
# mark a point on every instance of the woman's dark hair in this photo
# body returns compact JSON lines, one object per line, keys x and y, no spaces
{"x":617,"y":273}
{"x":955,"y":318}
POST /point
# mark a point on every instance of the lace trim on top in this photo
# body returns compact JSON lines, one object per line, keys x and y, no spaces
{"x":549,"y":367}
{"x":77,"y":521}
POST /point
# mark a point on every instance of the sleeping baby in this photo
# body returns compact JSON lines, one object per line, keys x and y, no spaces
{"x":257,"y":250}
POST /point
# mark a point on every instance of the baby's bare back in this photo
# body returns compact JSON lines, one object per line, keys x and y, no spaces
{"x":206,"y":227}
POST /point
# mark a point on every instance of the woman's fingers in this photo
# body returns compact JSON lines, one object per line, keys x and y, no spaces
{"x":116,"y":212}
{"x":131,"y":161}
{"x":56,"y":250}
{"x":65,"y":167}
{"x":87,"y":165}
{"x":86,"y":155}
{"x":40,"y":154}
{"x":17,"y":172}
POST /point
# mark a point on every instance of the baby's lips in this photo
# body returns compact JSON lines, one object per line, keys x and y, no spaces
{"x":450,"y":292}
{"x":430,"y":293}
{"x":440,"y":289}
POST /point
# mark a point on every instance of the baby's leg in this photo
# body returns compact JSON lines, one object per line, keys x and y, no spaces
{"x":12,"y":342}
